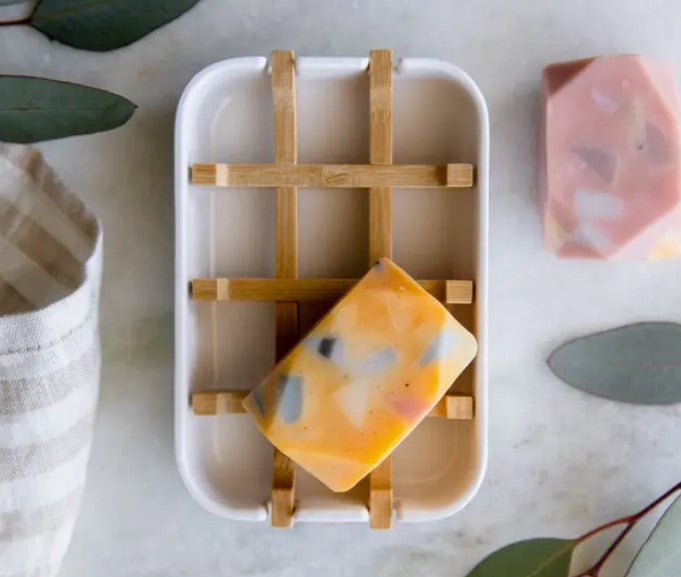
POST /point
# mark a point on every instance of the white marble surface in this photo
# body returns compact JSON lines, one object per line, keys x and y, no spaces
{"x":560,"y":461}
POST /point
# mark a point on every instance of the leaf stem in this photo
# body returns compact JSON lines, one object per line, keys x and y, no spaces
{"x":19,"y":22}
{"x":630,"y":521}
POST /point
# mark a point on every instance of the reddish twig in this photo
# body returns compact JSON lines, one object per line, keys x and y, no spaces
{"x":18,"y":22}
{"x":630,"y":521}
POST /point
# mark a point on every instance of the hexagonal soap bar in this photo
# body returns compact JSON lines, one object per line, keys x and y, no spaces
{"x":610,"y":159}
{"x":363,"y":378}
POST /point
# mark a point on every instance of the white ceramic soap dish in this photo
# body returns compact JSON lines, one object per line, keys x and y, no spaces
{"x":238,"y":245}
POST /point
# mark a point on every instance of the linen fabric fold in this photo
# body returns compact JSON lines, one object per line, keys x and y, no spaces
{"x":50,"y":272}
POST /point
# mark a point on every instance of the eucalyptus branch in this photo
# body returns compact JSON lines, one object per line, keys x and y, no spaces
{"x":630,"y":522}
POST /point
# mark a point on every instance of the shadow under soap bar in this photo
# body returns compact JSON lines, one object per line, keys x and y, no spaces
{"x":363,"y":378}
{"x":610,"y":159}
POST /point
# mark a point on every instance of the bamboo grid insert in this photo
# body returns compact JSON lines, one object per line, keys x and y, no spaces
{"x":286,"y":290}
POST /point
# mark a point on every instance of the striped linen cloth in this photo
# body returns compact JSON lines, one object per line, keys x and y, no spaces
{"x":50,"y":269}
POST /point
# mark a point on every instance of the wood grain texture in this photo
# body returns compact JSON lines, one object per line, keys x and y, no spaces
{"x":284,"y":103}
{"x":460,"y":175}
{"x":218,"y":402}
{"x":285,"y":153}
{"x":286,"y":259}
{"x":283,"y":490}
{"x":380,"y":107}
{"x":455,"y":175}
{"x":380,"y":240}
{"x":311,"y":289}
{"x":381,"y":216}
{"x":381,"y":495}
{"x":453,"y":406}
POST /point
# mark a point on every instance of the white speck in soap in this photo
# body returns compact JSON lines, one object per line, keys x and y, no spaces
{"x":604,"y":102}
{"x":594,"y":204}
{"x":589,"y":235}
{"x":353,"y":398}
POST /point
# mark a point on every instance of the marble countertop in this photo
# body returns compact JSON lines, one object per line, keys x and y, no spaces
{"x":560,"y":461}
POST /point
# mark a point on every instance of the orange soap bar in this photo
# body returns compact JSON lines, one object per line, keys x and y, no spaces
{"x":363,"y":378}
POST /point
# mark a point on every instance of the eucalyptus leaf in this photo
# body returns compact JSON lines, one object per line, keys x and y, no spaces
{"x":660,"y":555}
{"x":104,"y":24}
{"x":532,"y":558}
{"x":638,"y":363}
{"x":35,"y":109}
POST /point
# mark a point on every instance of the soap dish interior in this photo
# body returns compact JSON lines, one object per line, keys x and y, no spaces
{"x":231,"y":267}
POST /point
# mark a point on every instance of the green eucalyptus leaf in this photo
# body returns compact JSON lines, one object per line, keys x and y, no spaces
{"x":532,"y":558}
{"x":660,"y":555}
{"x":104,"y":24}
{"x":638,"y":363}
{"x":35,"y":109}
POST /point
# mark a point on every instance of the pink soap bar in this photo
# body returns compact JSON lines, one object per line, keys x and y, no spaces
{"x":610,"y":166}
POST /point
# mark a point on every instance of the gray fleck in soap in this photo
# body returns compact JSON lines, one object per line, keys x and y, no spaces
{"x":330,"y":348}
{"x":378,"y":362}
{"x":440,"y":347}
{"x":290,"y":397}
